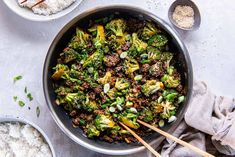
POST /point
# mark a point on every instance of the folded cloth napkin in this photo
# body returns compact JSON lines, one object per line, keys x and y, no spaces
{"x":209,"y":114}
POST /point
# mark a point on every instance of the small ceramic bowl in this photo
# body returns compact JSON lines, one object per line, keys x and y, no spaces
{"x":197,"y":16}
{"x":29,"y":15}
{"x":13,"y":119}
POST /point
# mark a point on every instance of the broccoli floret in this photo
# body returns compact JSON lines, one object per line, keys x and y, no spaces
{"x":89,"y":105}
{"x":170,"y":95}
{"x":60,"y":70}
{"x":137,"y":47}
{"x":121,"y":84}
{"x":151,"y":86}
{"x":68,"y":55}
{"x":112,"y":93}
{"x":170,"y":70}
{"x":148,"y":31}
{"x":75,"y":99}
{"x":115,"y":130}
{"x":117,"y":42}
{"x":166,"y":109}
{"x":117,"y":26}
{"x":119,"y":102}
{"x":170,"y":81}
{"x":158,"y":40}
{"x":131,"y":65}
{"x":156,"y":69}
{"x":95,"y":60}
{"x":129,"y":119}
{"x":147,"y":114}
{"x":153,"y":53}
{"x":80,"y":40}
{"x":92,"y":131}
{"x":62,"y":91}
{"x":105,"y":79}
{"x":166,"y":57}
{"x":103,"y":122}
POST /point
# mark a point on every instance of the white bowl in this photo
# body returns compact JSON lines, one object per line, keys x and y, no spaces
{"x":28,"y":14}
{"x":8,"y":118}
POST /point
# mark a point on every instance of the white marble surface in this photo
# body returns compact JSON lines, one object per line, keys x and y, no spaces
{"x":24,"y":44}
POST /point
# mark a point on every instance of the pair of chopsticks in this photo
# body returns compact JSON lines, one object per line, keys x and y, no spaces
{"x":169,"y":136}
{"x":34,"y":4}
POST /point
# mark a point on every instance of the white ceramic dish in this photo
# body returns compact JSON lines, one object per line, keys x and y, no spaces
{"x":29,"y":15}
{"x":9,"y":118}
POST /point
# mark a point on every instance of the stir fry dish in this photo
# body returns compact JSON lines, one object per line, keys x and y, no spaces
{"x":118,"y":70}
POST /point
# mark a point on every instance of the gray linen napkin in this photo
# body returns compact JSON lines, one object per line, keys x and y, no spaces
{"x":207,"y":113}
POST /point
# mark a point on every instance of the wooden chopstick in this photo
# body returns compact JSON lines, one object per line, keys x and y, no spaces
{"x":169,"y":136}
{"x":37,"y":3}
{"x":141,"y":140}
{"x":23,"y":1}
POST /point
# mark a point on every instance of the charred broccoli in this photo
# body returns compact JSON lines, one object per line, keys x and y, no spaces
{"x":158,"y":40}
{"x":170,"y":81}
{"x":117,"y":26}
{"x":148,"y":31}
{"x":103,"y":122}
{"x":95,"y":60}
{"x":121,"y":84}
{"x":131,"y":65}
{"x":166,"y":109}
{"x":130,"y":120}
{"x":80,"y":40}
{"x":105,"y":79}
{"x":137,"y":47}
{"x":92,"y":131}
{"x":151,"y":86}
{"x":60,"y":70}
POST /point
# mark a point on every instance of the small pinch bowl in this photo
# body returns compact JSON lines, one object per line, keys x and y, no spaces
{"x":197,"y":16}
{"x":60,"y":42}
{"x":13,"y":119}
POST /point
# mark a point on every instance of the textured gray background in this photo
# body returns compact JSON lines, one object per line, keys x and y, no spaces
{"x":24,"y":44}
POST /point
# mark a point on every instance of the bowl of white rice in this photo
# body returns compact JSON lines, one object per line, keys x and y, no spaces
{"x":42,"y":10}
{"x":21,"y":138}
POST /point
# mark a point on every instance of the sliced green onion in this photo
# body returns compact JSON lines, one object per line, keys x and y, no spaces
{"x":129,"y":104}
{"x":21,"y":103}
{"x":25,"y":90}
{"x":90,"y":70}
{"x":16,"y":78}
{"x":123,"y":55}
{"x":172,"y":119}
{"x":104,"y":105}
{"x":180,"y":99}
{"x":112,"y":109}
{"x":144,"y":61}
{"x":106,"y":87}
{"x":29,"y":96}
{"x":159,"y":100}
{"x":37,"y":111}
{"x":115,"y":115}
{"x":119,"y":107}
{"x":82,"y":122}
{"x":161,"y":123}
{"x":144,"y":56}
{"x":15,"y":98}
{"x":138,"y":77}
{"x":133,"y":110}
